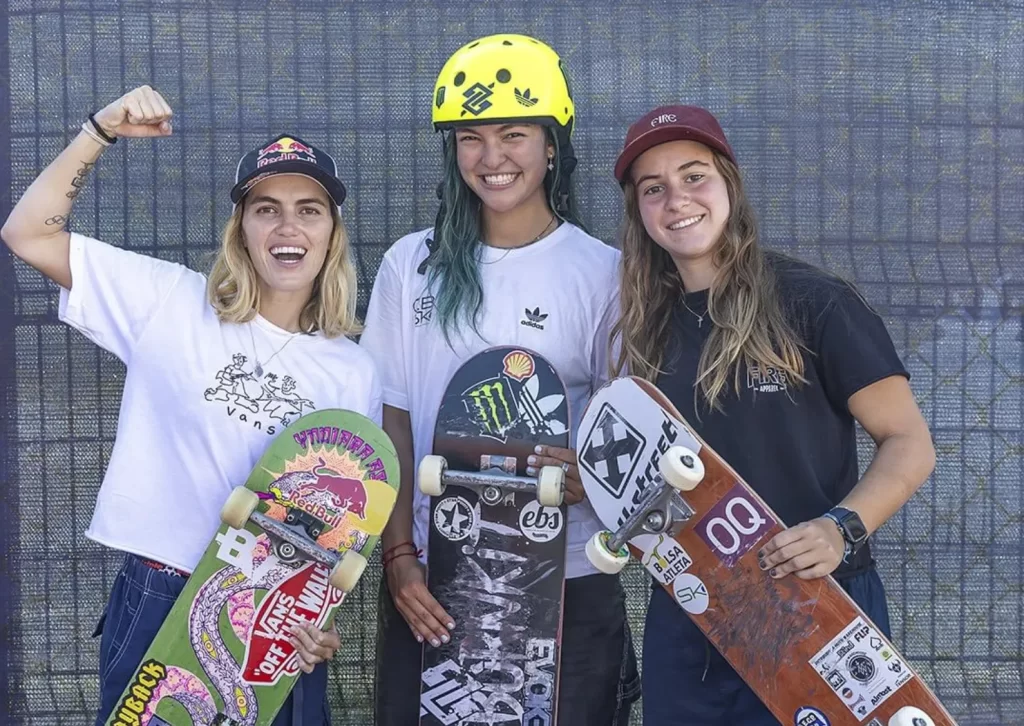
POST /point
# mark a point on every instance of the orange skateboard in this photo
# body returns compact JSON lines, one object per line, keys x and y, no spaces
{"x":808,"y":651}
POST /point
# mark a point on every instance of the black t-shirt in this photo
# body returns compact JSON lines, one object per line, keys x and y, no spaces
{"x":795,"y":444}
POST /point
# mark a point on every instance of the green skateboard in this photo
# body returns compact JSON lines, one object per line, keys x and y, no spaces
{"x":294,"y":540}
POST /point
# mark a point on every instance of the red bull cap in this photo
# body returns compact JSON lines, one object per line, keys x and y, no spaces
{"x":287,"y":154}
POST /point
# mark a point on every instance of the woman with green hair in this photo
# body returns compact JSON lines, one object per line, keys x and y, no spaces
{"x":506,"y":263}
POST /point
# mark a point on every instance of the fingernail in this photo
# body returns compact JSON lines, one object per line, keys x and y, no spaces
{"x":760,"y":554}
{"x":451,"y":626}
{"x":772,"y":572}
{"x":531,"y":459}
{"x":531,"y":470}
{"x":445,"y":638}
{"x":419,"y":638}
{"x":434,"y":642}
{"x":762,"y":565}
{"x":539,"y":449}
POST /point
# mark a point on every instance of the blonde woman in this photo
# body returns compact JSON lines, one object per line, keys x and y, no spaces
{"x":774,"y":362}
{"x":215,"y":366}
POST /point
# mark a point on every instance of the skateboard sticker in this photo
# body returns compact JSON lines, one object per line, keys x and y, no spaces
{"x":910,"y":716}
{"x":663,"y":556}
{"x":690,"y":593}
{"x":861,"y":668}
{"x":810,"y":716}
{"x":874,"y":722}
{"x":612,"y":450}
{"x":452,"y":694}
{"x":498,"y":404}
{"x":734,"y":525}
{"x":540,"y":524}
{"x":455,"y":518}
{"x":304,"y":598}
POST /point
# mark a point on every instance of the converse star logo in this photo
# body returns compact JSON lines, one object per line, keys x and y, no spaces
{"x":454,"y":518}
{"x":534,"y":318}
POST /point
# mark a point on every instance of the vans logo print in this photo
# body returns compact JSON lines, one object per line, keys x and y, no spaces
{"x":766,"y":379}
{"x":262,"y":401}
{"x":534,"y":318}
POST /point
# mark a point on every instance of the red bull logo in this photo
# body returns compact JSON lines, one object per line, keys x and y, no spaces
{"x":284,"y":148}
{"x":343,"y":495}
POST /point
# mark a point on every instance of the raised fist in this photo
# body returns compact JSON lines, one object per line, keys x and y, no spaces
{"x":140,"y":113}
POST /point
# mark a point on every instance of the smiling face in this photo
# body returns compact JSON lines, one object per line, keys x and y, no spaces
{"x":683,"y":200}
{"x":504,"y":165}
{"x":287,"y":227}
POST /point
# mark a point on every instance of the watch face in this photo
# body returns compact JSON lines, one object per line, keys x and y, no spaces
{"x":855,"y":529}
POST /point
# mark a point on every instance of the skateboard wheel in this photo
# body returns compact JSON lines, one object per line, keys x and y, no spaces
{"x":601,"y":557}
{"x":431,"y":475}
{"x":910,"y":716}
{"x":347,"y":571}
{"x":550,"y":486}
{"x":681,"y":468}
{"x":239,"y":507}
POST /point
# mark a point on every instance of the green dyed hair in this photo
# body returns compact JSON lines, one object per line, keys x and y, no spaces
{"x":455,"y":247}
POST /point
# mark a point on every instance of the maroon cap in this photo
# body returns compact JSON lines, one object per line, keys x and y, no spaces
{"x":671,"y":123}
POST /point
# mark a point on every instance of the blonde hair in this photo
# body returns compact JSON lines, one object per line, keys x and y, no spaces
{"x":234,"y":292}
{"x":749,"y":324}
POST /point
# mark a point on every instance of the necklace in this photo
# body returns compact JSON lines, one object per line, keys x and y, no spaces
{"x":700,"y":318}
{"x":258,"y":369}
{"x":525,"y":244}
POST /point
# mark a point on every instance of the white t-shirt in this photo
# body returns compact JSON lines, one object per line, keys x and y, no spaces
{"x":194,"y":416}
{"x":569,"y":278}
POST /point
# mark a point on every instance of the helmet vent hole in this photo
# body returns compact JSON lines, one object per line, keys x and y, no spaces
{"x":503,"y":76}
{"x":460,"y":78}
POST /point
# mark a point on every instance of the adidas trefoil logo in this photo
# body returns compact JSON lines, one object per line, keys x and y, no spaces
{"x":525,"y":99}
{"x":534,"y":318}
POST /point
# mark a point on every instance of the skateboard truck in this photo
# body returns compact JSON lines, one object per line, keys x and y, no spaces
{"x":660,"y":510}
{"x":294,"y":539}
{"x":549,"y":484}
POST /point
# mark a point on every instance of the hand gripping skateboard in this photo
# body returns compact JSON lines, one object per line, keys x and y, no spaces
{"x":811,"y":655}
{"x":293,"y":542}
{"x":496,"y":548}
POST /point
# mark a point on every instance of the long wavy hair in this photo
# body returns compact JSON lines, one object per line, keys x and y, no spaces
{"x":456,"y":238}
{"x":750,"y":327}
{"x":234,"y":292}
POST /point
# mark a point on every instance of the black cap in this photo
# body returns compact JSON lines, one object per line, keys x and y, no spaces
{"x":287,"y":154}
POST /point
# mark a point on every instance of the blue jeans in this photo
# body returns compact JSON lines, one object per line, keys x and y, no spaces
{"x":676,"y":655}
{"x":139,"y":603}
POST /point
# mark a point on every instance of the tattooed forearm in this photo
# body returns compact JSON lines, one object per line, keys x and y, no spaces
{"x":57,"y":220}
{"x":79,"y":181}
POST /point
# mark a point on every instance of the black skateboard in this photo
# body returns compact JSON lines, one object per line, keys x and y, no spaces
{"x":496,"y":551}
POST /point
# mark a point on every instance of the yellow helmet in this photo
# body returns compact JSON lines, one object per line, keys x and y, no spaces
{"x":503,"y":78}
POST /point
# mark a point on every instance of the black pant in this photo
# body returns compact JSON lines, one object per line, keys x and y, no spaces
{"x":598,"y":674}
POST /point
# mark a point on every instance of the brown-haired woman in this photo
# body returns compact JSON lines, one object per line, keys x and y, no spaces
{"x":773,"y":362}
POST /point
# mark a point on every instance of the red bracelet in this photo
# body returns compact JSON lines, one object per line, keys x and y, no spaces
{"x":400,"y":544}
{"x":400,"y":554}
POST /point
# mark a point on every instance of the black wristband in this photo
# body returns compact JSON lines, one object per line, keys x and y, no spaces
{"x":103,"y":134}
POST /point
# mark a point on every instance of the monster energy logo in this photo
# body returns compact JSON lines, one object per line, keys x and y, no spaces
{"x":493,"y":406}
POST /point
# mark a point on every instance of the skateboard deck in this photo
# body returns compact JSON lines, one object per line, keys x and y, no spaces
{"x":309,"y":515}
{"x":496,"y":556}
{"x":811,"y":655}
